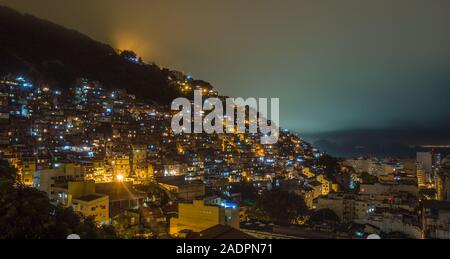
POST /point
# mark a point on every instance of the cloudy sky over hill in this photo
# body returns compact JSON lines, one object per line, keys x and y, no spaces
{"x":336,"y":65}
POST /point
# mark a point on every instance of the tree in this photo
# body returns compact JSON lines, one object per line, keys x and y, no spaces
{"x":156,"y":195}
{"x":26,"y":213}
{"x":324,"y":216}
{"x":368,"y":178}
{"x":246,"y":189}
{"x":330,"y":165}
{"x":67,"y":222}
{"x":130,"y":56}
{"x":8,"y":175}
{"x":281,"y":206}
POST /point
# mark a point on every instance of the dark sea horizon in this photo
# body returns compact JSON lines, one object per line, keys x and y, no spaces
{"x":381,"y":144}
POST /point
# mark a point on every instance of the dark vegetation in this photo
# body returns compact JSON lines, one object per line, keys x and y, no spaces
{"x":51,"y":54}
{"x":26,"y":213}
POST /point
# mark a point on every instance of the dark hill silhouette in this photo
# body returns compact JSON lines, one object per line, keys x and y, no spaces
{"x":49,"y":53}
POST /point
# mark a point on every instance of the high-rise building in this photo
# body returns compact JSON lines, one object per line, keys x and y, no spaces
{"x":421,"y":177}
{"x":425,"y":159}
{"x":443,"y":185}
{"x":428,"y":168}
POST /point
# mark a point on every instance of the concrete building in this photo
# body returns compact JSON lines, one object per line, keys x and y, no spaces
{"x":436,"y":219}
{"x":326,"y":184}
{"x":93,"y":205}
{"x":430,"y":163}
{"x":421,"y":177}
{"x":197,"y":217}
{"x":175,"y":170}
{"x":185,"y":190}
{"x":392,"y":222}
{"x":373,"y":166}
{"x":26,"y":170}
{"x":425,"y":159}
{"x":443,"y":185}
{"x":81,"y":196}
{"x":122,"y":196}
{"x":386,"y":188}
{"x":121,"y":167}
{"x":45,"y":179}
{"x":348,"y":207}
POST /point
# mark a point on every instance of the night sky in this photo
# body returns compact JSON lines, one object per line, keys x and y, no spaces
{"x":338,"y":66}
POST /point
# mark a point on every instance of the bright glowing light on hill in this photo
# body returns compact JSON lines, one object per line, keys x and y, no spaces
{"x":129,"y":41}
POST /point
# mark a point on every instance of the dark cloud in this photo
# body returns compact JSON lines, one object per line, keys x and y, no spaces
{"x":336,"y":65}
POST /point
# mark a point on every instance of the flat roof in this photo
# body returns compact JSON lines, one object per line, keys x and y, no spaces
{"x":224,"y":232}
{"x":91,"y":197}
{"x":178,"y":181}
{"x":119,"y":191}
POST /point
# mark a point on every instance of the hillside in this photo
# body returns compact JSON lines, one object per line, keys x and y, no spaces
{"x":49,"y":53}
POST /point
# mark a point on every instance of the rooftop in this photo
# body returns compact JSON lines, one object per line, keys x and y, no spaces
{"x":177,"y":181}
{"x":223,"y":232}
{"x":91,"y":197}
{"x":119,"y":191}
{"x":315,"y":183}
